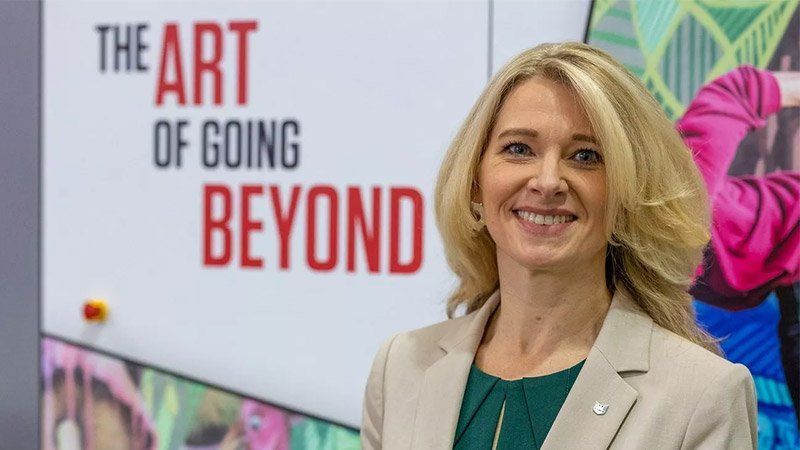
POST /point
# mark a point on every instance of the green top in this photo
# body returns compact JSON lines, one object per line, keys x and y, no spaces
{"x":523,"y":410}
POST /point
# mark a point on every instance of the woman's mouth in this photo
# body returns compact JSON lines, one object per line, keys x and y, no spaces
{"x":540,"y":219}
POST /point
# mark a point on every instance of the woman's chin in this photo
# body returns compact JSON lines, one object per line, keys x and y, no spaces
{"x":537,"y":260}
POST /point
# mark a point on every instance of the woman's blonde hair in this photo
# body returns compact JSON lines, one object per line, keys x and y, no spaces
{"x":658,"y":211}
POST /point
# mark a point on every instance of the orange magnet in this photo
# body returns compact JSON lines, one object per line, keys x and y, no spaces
{"x":95,"y":310}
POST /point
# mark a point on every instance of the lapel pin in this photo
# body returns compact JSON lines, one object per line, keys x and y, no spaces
{"x":600,"y":408}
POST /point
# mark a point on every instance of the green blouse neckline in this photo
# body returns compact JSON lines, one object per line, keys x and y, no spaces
{"x":575,"y":368}
{"x":531,"y":405}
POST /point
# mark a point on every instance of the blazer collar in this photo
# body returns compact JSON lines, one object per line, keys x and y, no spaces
{"x":471,"y":333}
{"x":622,"y":345}
{"x":624,"y":338}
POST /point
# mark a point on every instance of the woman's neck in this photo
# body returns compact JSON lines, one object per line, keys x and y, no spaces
{"x":546,"y":320}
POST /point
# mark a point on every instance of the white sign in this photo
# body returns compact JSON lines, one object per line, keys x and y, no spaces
{"x":248,"y":185}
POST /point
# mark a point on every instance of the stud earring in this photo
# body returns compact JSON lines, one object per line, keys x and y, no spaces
{"x":477,"y":214}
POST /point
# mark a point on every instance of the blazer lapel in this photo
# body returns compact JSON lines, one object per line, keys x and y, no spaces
{"x":622,"y":346}
{"x":577,"y":425}
{"x":443,"y":386}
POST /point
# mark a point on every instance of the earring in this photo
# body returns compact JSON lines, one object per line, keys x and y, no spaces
{"x":477,"y":214}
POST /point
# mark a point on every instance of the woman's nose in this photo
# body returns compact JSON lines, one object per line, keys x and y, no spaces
{"x":548,"y":179}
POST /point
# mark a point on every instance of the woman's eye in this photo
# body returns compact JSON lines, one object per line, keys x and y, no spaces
{"x":517,"y":149}
{"x":587,"y":156}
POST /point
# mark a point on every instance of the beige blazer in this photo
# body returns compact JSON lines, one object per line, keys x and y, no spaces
{"x":662,"y":391}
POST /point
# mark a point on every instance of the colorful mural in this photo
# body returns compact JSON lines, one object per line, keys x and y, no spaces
{"x":728,"y":72}
{"x":92,"y":401}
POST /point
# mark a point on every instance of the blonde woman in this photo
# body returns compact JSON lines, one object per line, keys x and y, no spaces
{"x":574,"y":218}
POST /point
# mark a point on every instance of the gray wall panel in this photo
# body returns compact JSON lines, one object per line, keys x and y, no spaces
{"x":19,"y":223}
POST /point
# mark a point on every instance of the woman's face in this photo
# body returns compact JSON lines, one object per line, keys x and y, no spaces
{"x":542,"y":180}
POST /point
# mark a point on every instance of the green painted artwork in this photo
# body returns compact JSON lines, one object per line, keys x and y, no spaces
{"x":677,"y":46}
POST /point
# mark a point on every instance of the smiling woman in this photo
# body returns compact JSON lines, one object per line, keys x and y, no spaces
{"x":574,"y":218}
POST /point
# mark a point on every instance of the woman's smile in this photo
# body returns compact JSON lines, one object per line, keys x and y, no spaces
{"x":543,"y":224}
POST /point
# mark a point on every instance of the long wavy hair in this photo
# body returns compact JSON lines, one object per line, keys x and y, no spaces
{"x":658,"y":211}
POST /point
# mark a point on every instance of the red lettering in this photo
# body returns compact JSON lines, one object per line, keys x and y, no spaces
{"x":241,"y":29}
{"x":170,"y":53}
{"x":371,"y":237}
{"x":249,"y":225}
{"x":333,"y":228}
{"x":284,"y":221}
{"x":396,"y":196}
{"x":364,"y":222}
{"x":220,"y":224}
{"x":207,"y":65}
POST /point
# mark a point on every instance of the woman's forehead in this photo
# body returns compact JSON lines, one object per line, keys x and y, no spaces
{"x":541,"y":104}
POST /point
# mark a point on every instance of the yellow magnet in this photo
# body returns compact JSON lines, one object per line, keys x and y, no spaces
{"x":95,"y":310}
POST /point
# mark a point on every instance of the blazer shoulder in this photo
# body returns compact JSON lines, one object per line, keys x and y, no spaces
{"x":686,"y":360}
{"x":716,"y":396}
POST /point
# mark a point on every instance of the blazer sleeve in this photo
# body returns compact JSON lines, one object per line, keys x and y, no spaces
{"x":726,"y":415}
{"x":372,"y":416}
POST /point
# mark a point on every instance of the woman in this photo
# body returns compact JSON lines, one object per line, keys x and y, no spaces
{"x":574,"y":218}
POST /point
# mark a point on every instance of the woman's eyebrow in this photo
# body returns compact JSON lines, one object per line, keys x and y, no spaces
{"x":533,"y":133}
{"x":518,"y":132}
{"x":584,"y":138}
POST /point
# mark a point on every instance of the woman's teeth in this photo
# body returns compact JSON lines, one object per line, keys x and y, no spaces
{"x":544,"y":220}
